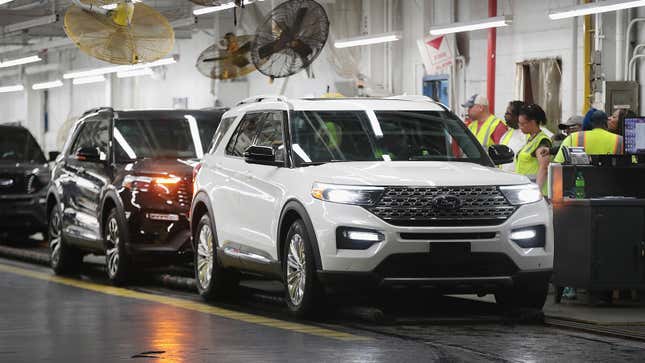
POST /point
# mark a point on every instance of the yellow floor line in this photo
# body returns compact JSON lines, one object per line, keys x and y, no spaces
{"x":186,"y":304}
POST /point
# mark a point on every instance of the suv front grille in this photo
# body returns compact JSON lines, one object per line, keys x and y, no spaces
{"x":416,"y":206}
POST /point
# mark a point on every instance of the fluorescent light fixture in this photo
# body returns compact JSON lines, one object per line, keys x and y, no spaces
{"x":225,"y":6}
{"x":86,"y":80}
{"x":367,"y":40}
{"x":2,"y":2}
{"x":20,"y":61}
{"x":16,"y":88}
{"x":116,"y":69}
{"x":135,"y":73}
{"x":113,"y":6}
{"x":488,"y":23}
{"x":594,"y":8}
{"x":47,"y":85}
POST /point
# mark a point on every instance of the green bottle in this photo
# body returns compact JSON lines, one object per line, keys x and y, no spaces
{"x":580,"y":186}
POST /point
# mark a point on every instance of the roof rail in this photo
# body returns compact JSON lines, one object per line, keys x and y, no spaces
{"x":97,"y":109}
{"x":411,"y":98}
{"x":261,"y":98}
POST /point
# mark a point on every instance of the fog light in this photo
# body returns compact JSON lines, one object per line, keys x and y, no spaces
{"x":357,"y":239}
{"x":531,"y":237}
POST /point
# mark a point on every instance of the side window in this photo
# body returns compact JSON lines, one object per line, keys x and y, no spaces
{"x":244,"y":135}
{"x":83,"y":138}
{"x":271,"y":134}
{"x":223,"y":127}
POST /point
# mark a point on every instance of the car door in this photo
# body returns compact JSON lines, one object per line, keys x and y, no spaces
{"x":229,"y":174}
{"x":90,"y":180}
{"x":262,"y":202}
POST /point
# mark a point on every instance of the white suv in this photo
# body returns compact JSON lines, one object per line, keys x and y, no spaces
{"x":345,"y":194}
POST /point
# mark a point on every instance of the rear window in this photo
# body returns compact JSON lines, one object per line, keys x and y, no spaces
{"x":176,"y":138}
{"x":17,"y":145}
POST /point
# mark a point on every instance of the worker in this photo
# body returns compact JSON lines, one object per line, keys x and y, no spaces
{"x":616,"y":122}
{"x":513,"y":138}
{"x":487,"y":128}
{"x":597,"y":141}
{"x":571,"y":125}
{"x":533,"y":158}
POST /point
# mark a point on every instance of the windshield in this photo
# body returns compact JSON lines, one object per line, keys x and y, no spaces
{"x":185,"y":138}
{"x":327,"y":136}
{"x":17,"y":145}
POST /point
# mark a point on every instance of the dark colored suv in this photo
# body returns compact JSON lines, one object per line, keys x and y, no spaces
{"x":123,"y":188}
{"x":24,"y":175}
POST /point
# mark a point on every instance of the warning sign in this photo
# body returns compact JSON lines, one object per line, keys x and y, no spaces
{"x":436,"y":54}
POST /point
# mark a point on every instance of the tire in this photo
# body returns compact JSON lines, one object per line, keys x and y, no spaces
{"x":213,"y":281}
{"x":528,"y":295}
{"x":303,"y":294}
{"x":64,"y":259}
{"x":117,"y":260}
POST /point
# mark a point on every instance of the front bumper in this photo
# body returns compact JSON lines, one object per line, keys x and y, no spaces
{"x":492,"y":257}
{"x":23,"y":212}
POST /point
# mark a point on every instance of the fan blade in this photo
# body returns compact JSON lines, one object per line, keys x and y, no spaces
{"x":240,"y":61}
{"x":300,"y":16}
{"x":304,"y":51}
{"x":267,"y":50}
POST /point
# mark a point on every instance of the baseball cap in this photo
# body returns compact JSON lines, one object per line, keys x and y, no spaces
{"x":476,"y":100}
{"x":572,"y":121}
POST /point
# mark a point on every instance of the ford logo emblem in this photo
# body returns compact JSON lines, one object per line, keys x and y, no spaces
{"x":6,"y":182}
{"x":447,"y":202}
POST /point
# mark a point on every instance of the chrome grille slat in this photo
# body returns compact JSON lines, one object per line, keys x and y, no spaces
{"x":480,"y":205}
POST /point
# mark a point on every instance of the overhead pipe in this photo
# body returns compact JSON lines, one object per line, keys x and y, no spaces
{"x":91,"y":7}
{"x":621,"y":15}
{"x":627,"y":40}
{"x":631,"y":74}
{"x":491,"y":61}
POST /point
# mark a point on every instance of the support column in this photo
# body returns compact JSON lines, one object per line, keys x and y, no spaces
{"x":491,"y":61}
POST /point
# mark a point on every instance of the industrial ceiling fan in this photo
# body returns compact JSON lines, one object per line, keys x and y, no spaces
{"x":119,"y":31}
{"x":227,"y":59}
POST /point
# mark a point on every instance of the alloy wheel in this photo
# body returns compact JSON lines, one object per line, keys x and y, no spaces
{"x":296,"y":269}
{"x":112,"y":252}
{"x":205,"y":256}
{"x":55,"y":225}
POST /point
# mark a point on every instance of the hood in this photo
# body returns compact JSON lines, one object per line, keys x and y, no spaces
{"x":414,"y":173}
{"x":177,"y":167}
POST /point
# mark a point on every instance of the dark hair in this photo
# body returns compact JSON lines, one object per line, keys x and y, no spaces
{"x":598,"y":119}
{"x":624,"y":113}
{"x":516,"y":107}
{"x":534,"y":112}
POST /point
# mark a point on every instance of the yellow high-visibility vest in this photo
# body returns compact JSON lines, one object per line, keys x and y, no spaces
{"x":526,"y":163}
{"x":595,"y":142}
{"x":485,"y":133}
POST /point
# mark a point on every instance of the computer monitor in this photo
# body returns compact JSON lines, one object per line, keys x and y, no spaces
{"x":634,"y":137}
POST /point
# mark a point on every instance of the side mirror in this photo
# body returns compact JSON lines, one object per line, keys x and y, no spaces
{"x":90,"y":154}
{"x":53,"y":155}
{"x":501,"y":154}
{"x":263,"y":155}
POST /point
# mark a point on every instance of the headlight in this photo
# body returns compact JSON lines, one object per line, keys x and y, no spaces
{"x":522,"y":194}
{"x":346,"y":194}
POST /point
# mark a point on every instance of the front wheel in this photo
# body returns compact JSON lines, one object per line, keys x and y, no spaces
{"x":116,"y":258}
{"x":304,"y":294}
{"x":213,"y":281}
{"x":64,"y":259}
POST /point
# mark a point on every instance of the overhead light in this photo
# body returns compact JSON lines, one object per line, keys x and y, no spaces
{"x":2,"y":2}
{"x":20,"y":61}
{"x":488,"y":23}
{"x":135,"y":73}
{"x":47,"y":85}
{"x":213,"y":9}
{"x":113,"y":6}
{"x":367,"y":40}
{"x":16,"y":88}
{"x":86,"y":80}
{"x":594,"y":8}
{"x":116,"y":69}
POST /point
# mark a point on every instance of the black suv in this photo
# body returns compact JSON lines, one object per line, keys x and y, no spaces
{"x":123,"y":187}
{"x":24,"y":175}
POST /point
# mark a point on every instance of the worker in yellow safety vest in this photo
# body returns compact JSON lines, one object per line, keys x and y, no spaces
{"x":513,"y":138}
{"x":487,"y":128}
{"x":597,"y":141}
{"x":533,"y":159}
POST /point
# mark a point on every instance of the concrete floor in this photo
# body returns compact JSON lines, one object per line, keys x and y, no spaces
{"x":49,"y":319}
